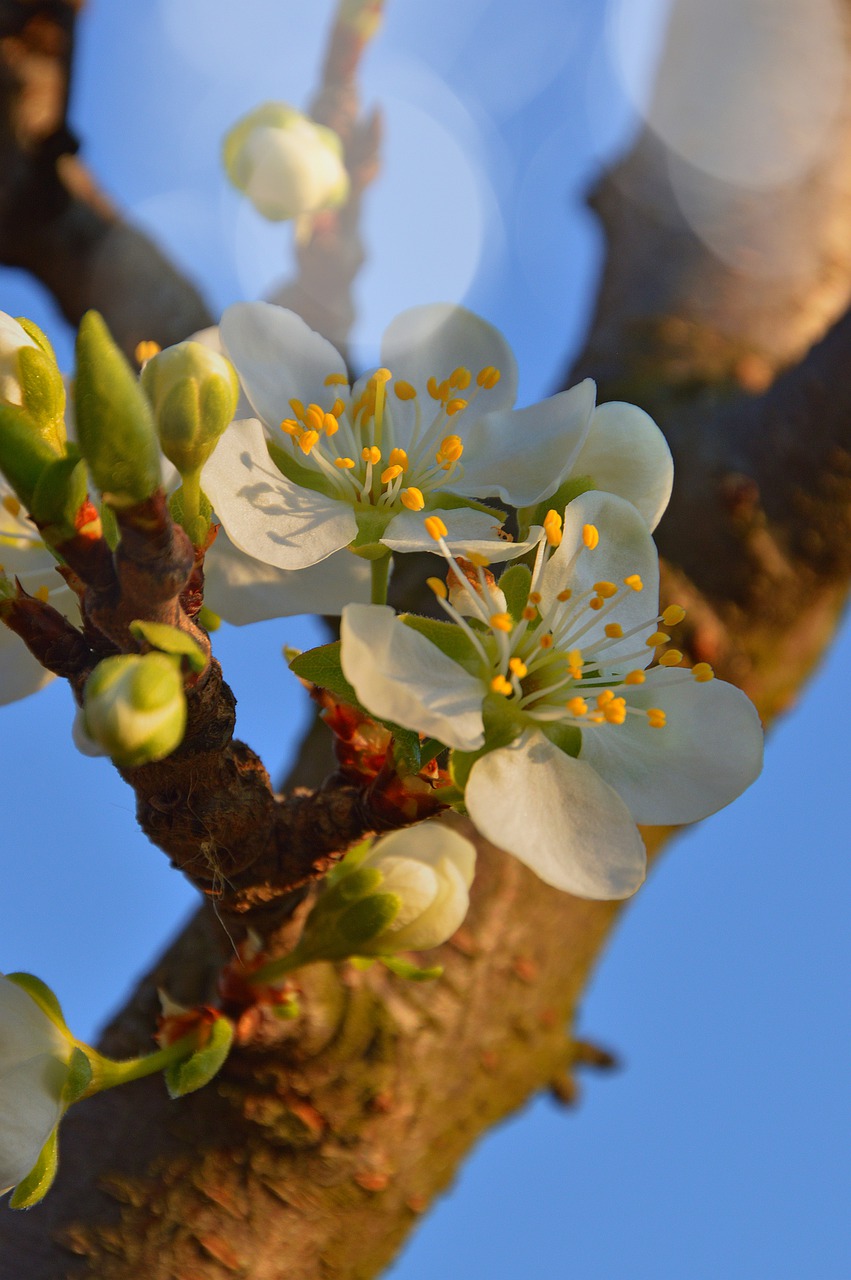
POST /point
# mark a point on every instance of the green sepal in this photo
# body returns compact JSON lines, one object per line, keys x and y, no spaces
{"x":442,"y":501}
{"x":514,"y":585}
{"x":196,"y":527}
{"x":448,"y":637}
{"x":567,"y":737}
{"x":109,"y":524}
{"x":372,"y":526}
{"x":569,"y":489}
{"x":208,"y":620}
{"x":43,"y":395}
{"x":305,"y":477}
{"x":59,"y":493}
{"x":23,"y":453}
{"x":359,"y":883}
{"x":80,"y":1076}
{"x":460,"y":764}
{"x":159,"y":635}
{"x":40,"y":993}
{"x":37,"y":1183}
{"x":354,"y":857}
{"x":413,"y":972}
{"x":115,"y":425}
{"x":365,"y":920}
{"x":501,"y":726}
{"x":200,"y":1067}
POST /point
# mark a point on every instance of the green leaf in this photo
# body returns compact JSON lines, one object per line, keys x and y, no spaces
{"x":514,"y":585}
{"x":167,"y":639}
{"x":367,"y":919}
{"x":404,"y":969}
{"x":79,"y":1077}
{"x":24,"y":455}
{"x":200,"y":1067}
{"x":176,"y":507}
{"x":41,"y":995}
{"x":37,"y":1183}
{"x":306,"y":477}
{"x":442,"y":501}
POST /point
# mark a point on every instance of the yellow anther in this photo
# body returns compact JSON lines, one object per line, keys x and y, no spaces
{"x":331,"y":424}
{"x":634,"y":677}
{"x":455,"y":406}
{"x":546,"y":641}
{"x":451,"y":448}
{"x":702,"y":672}
{"x":371,"y":453}
{"x":476,"y":558}
{"x":412,"y":499}
{"x":552,"y":528}
{"x":307,"y":440}
{"x":337,"y":407}
{"x":297,"y":408}
{"x":146,"y":350}
{"x":657,"y":638}
{"x":437,"y":392}
{"x":604,"y":698}
{"x":596,"y":602}
{"x":438,"y":587}
{"x":634,"y":582}
{"x":381,"y":375}
{"x":488,"y":377}
{"x":291,"y":427}
{"x":345,"y":464}
{"x":577,"y":707}
{"x":336,"y":380}
{"x":590,"y":536}
{"x":656,"y":717}
{"x":389,"y":474}
{"x":42,"y":594}
{"x":565,"y":595}
{"x":314,"y":418}
{"x":11,"y":504}
{"x":405,"y":391}
{"x":460,"y":378}
{"x":530,"y":613}
{"x":673,"y":614}
{"x":499,"y":684}
{"x":672,"y":658}
{"x":434,"y":526}
{"x":605,"y":589}
{"x":398,"y":458}
{"x":613,"y":630}
{"x":502,"y":622}
{"x":518,"y":667}
{"x":615,"y":711}
{"x":574,"y":664}
{"x":534,"y":597}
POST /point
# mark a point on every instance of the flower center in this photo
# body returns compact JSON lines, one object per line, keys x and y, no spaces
{"x":359,"y":445}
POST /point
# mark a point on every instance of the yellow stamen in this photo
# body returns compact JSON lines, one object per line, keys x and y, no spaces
{"x":518,"y":666}
{"x":634,"y":677}
{"x":297,"y":408}
{"x":604,"y":698}
{"x":672,"y":658}
{"x":656,"y":717}
{"x":451,"y":448}
{"x":434,"y":526}
{"x":314,"y":418}
{"x":590,"y":536}
{"x":307,"y":440}
{"x":596,"y":603}
{"x":455,"y":406}
{"x":146,"y":350}
{"x":634,"y":582}
{"x":389,"y":474}
{"x":412,"y":498}
{"x":657,"y":638}
{"x":530,"y":613}
{"x":460,"y":378}
{"x":405,"y":391}
{"x":382,"y":375}
{"x":499,"y":684}
{"x":502,"y":622}
{"x":534,"y":597}
{"x":11,"y":504}
{"x":577,"y":707}
{"x":488,"y":377}
{"x":552,"y":528}
{"x":574,"y":664}
{"x":702,"y":672}
{"x":546,"y":642}
{"x":345,"y":464}
{"x":336,"y":380}
{"x":476,"y":558}
{"x":291,"y":427}
{"x":331,"y":424}
{"x":437,"y":392}
{"x":615,"y":711}
{"x":398,"y":458}
{"x":371,"y":454}
{"x":613,"y":630}
{"x":438,"y":587}
{"x":673,"y":614}
{"x":337,"y":407}
{"x":605,"y":589}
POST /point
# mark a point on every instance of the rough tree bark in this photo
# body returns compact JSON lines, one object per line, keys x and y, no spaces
{"x":319,"y":1145}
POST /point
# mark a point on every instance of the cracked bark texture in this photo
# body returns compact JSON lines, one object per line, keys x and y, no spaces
{"x":317,"y":1148}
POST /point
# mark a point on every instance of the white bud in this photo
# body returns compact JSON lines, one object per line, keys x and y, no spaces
{"x":430,"y":868}
{"x":285,"y":163}
{"x":134,"y":707}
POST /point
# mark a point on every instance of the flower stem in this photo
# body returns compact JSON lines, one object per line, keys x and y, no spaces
{"x":380,"y":579}
{"x":108,"y":1074}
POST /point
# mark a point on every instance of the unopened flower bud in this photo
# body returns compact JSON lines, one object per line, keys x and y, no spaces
{"x":12,"y":339}
{"x":134,"y":707}
{"x":285,"y":163}
{"x":30,"y":379}
{"x":193,"y":391}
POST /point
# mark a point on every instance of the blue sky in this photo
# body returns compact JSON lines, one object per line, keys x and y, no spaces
{"x":718,"y":1149}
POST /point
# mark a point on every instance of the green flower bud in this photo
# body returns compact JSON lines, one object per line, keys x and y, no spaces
{"x":30,"y":378}
{"x":193,"y":391}
{"x":135,"y":708}
{"x":114,"y":422}
{"x":285,"y":163}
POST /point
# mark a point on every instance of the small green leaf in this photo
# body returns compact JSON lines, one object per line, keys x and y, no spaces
{"x":159,"y":635}
{"x":200,"y":1067}
{"x":176,"y":508}
{"x":366,"y":919}
{"x":24,"y":455}
{"x":41,"y":995}
{"x":514,"y":585}
{"x":443,"y":501}
{"x":79,"y":1077}
{"x":567,"y":737}
{"x":37,"y":1183}
{"x":404,"y":969}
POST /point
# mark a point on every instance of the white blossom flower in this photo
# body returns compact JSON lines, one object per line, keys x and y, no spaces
{"x":572,"y":740}
{"x":286,"y":163}
{"x":34,"y":1058}
{"x":433,"y":430}
{"x":430,"y":868}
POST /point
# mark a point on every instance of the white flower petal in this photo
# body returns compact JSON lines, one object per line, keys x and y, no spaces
{"x":467,"y":531}
{"x":425,"y":920}
{"x":20,"y":673}
{"x":211,"y":338}
{"x":625,"y":548}
{"x":523,"y":456}
{"x":434,"y":340}
{"x":625,"y":453}
{"x":444,"y":914}
{"x":25,"y":1029}
{"x":399,"y":675}
{"x":556,"y":815}
{"x":29,"y":1111}
{"x":708,"y":752}
{"x":278,"y":358}
{"x":242,"y":589}
{"x":266,"y":515}
{"x":429,"y":842}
